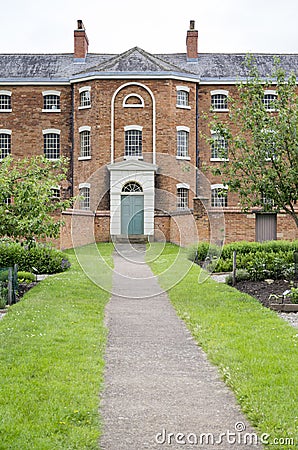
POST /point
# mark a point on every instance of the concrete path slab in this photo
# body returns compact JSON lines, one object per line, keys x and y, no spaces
{"x":160,"y":389}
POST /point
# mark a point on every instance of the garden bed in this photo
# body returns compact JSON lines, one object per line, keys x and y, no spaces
{"x":269,"y":294}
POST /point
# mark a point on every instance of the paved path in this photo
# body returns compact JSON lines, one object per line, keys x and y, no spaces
{"x":156,"y":377}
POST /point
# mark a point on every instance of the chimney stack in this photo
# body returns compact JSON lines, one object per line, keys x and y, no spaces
{"x":80,"y":42}
{"x":192,"y":43}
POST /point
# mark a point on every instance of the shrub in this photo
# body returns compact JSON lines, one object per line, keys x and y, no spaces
{"x":3,"y":295}
{"x":294,"y":295}
{"x":241,"y":275}
{"x":202,"y":250}
{"x":26,"y":277}
{"x":44,"y":258}
{"x":272,"y":259}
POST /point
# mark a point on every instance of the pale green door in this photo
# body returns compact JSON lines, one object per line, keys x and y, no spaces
{"x":132,"y":214}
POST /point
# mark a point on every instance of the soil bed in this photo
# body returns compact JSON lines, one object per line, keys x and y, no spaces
{"x":262,"y":290}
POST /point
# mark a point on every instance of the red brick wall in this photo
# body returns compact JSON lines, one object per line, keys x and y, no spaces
{"x":27,"y":119}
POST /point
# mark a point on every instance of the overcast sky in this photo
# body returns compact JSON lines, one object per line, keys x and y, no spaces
{"x":157,"y":26}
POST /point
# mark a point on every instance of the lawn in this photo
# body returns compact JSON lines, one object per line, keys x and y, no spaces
{"x":255,"y":350}
{"x":51,"y":361}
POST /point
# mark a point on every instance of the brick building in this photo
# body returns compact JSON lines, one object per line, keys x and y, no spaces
{"x":130,"y":125}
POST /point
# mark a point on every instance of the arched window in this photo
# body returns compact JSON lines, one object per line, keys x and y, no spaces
{"x":219,"y":147}
{"x":85,"y":143}
{"x":182,"y":142}
{"x":51,"y":101}
{"x":182,"y":97}
{"x":269,"y":100}
{"x":5,"y":143}
{"x":5,"y":101}
{"x":133,"y":141}
{"x":219,"y":100}
{"x":182,"y":196}
{"x":85,"y":97}
{"x":133,"y":101}
{"x":85,"y":195}
{"x":219,"y":197}
{"x":132,"y":186}
{"x":51,"y":143}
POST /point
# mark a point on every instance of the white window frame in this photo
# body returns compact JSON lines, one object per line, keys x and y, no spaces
{"x":216,"y":136}
{"x":55,"y":93}
{"x":133,"y":105}
{"x":182,"y":187}
{"x":54,"y":190}
{"x":8,"y":94}
{"x":183,"y":89}
{"x":187,"y":130}
{"x":219,"y":92}
{"x":52,"y":131}
{"x":82,"y":205}
{"x":8,"y":133}
{"x":81,"y":91}
{"x":133,"y":128}
{"x":81,"y":130}
{"x":216,"y":187}
{"x":269,"y":92}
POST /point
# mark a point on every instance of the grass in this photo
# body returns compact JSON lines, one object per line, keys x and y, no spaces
{"x":255,"y":350}
{"x":51,"y":362}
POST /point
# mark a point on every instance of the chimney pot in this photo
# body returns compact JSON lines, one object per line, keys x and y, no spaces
{"x":192,"y":25}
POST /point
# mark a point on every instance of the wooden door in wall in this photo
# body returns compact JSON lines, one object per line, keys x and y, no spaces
{"x":132,"y":214}
{"x":266,"y":229}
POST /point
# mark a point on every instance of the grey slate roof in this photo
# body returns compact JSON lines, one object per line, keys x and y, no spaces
{"x":63,"y":67}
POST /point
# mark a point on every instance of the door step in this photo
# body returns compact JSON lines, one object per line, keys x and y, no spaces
{"x":131,"y":239}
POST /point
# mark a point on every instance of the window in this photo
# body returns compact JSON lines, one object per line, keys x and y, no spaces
{"x":85,"y":196}
{"x":268,"y":144}
{"x":269,"y":100}
{"x":51,"y":143}
{"x":219,"y":100}
{"x":132,"y":186}
{"x":51,"y":101}
{"x":219,"y":196}
{"x":219,"y":147}
{"x":85,"y":97}
{"x":133,"y":101}
{"x":182,"y":196}
{"x":182,"y":142}
{"x":182,"y":97}
{"x":55,"y":193}
{"x":133,"y":141}
{"x":85,"y":144}
{"x":5,"y":143}
{"x":267,"y":201}
{"x":5,"y":101}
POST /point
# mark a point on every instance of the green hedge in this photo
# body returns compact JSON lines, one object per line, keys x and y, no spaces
{"x":272,"y":259}
{"x":44,"y":258}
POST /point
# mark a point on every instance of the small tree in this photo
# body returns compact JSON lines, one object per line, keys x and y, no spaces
{"x":27,"y":203}
{"x":262,"y":164}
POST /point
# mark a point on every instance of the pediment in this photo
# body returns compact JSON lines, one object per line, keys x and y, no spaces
{"x":134,"y":60}
{"x":132,"y":165}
